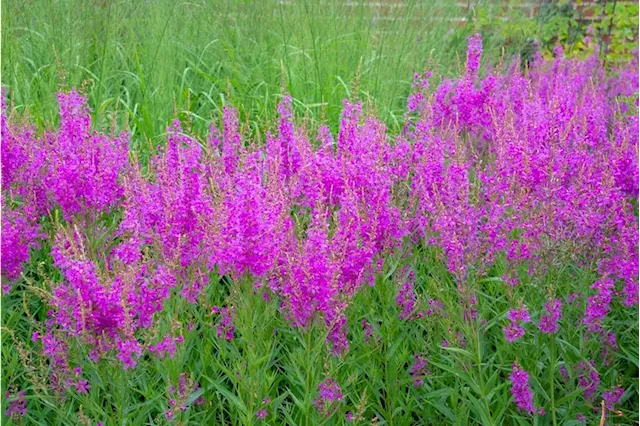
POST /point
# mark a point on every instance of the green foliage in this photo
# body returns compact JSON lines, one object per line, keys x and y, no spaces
{"x":620,"y":27}
{"x":507,"y":26}
{"x":467,"y":381}
{"x":560,"y":25}
{"x":609,"y":27}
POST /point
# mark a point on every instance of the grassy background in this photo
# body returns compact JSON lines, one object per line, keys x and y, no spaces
{"x":147,"y":60}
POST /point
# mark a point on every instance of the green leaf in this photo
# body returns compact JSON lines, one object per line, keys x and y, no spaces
{"x":459,"y":351}
{"x":461,"y":374}
{"x":228,"y":395}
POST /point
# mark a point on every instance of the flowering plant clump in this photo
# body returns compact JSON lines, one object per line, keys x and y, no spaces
{"x":329,"y":395}
{"x":514,"y":330}
{"x":419,"y":369}
{"x":522,"y":395}
{"x":17,"y":404}
{"x":182,"y":397}
{"x":225,"y":328}
{"x":612,"y":397}
{"x":589,"y":379}
{"x":510,"y":192}
{"x":549,"y":322}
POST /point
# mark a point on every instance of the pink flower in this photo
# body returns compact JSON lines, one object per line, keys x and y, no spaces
{"x":520,"y":389}
{"x":82,"y":386}
{"x":549,"y":323}
{"x":514,"y":330}
{"x":262,"y":414}
{"x":329,"y":395}
{"x":612,"y":396}
{"x":17,"y":405}
{"x":419,"y":369}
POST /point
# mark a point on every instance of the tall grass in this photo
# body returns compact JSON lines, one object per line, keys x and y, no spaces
{"x":145,"y":61}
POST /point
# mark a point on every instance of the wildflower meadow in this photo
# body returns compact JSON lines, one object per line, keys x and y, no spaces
{"x":472,"y":261}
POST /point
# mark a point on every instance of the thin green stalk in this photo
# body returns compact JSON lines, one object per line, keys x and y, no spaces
{"x":316,"y":59}
{"x":552,"y":370}
{"x":245,"y":300}
{"x":104,"y":54}
{"x":121,"y":393}
{"x":388,"y":380}
{"x":606,"y":50}
{"x":307,"y":403}
{"x":481,"y":378}
{"x":285,"y":40}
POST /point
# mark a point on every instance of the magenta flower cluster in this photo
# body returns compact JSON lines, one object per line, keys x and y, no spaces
{"x":598,"y":305}
{"x":17,"y":405}
{"x":224,"y":328}
{"x":588,"y":379}
{"x":521,"y":390}
{"x":548,"y":323}
{"x":181,"y":397}
{"x":612,"y":397}
{"x":514,"y":330}
{"x":329,"y":395}
{"x":419,"y":369}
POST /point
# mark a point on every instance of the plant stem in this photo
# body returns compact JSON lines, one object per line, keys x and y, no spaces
{"x":552,"y":369}
{"x":606,"y":49}
{"x":481,"y":378}
{"x":308,"y":376}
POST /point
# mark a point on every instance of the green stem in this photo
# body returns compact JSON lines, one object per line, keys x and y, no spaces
{"x":552,"y":369}
{"x":387,"y":371}
{"x":120,"y":394}
{"x":246,"y":299}
{"x":481,"y":375}
{"x":308,"y":377}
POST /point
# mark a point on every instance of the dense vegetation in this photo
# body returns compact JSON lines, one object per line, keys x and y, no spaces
{"x":468,"y":255}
